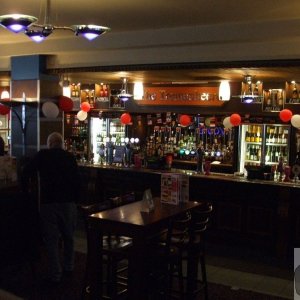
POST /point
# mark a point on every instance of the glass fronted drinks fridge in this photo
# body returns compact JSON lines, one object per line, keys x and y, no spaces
{"x":263,"y":145}
{"x":106,"y":134}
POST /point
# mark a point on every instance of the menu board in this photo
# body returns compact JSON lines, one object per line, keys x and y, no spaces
{"x":174,"y":188}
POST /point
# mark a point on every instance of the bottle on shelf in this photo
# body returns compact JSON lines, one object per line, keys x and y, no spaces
{"x":247,"y":135}
{"x":295,"y":94}
{"x":258,"y":135}
{"x":252,"y":135}
{"x":275,"y":136}
{"x":271,"y":136}
{"x":73,"y":94}
{"x":268,"y":135}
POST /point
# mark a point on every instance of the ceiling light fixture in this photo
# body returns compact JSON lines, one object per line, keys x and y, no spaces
{"x":38,"y":32}
{"x":250,"y":94}
{"x":124,"y":95}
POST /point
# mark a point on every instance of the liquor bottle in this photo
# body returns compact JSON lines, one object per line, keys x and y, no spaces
{"x":247,"y":136}
{"x":257,"y":135}
{"x":92,"y":97}
{"x":268,"y":135}
{"x":76,"y":91}
{"x":252,"y":136}
{"x":258,"y":153}
{"x":248,"y":153}
{"x":267,"y":158}
{"x":255,"y":90}
{"x":251,"y":153}
{"x":275,"y":136}
{"x":276,"y":154}
{"x":73,"y":94}
{"x":273,"y":156}
{"x":280,"y":98}
{"x":271,"y":137}
{"x":255,"y":150}
{"x":295,"y":95}
{"x":105,"y":91}
{"x":101,"y":91}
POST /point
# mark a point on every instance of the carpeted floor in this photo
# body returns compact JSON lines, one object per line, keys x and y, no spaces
{"x":18,"y":280}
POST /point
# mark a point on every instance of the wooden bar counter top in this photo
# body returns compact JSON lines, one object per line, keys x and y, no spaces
{"x":256,"y":218}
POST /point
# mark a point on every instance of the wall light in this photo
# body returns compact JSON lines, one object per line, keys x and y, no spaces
{"x":66,"y":88}
{"x":224,"y":90}
{"x":38,"y":32}
{"x":5,"y":95}
{"x":138,"y":91}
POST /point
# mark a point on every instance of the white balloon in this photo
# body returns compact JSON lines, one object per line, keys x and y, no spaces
{"x":50,"y":110}
{"x":82,"y":115}
{"x":226,"y":122}
{"x":295,"y":121}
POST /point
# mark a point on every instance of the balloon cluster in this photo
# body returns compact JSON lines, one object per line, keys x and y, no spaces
{"x":286,"y":115}
{"x":233,"y":120}
{"x":51,"y":110}
{"x":85,"y":108}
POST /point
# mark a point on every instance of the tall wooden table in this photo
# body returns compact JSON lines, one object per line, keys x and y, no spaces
{"x":130,"y":220}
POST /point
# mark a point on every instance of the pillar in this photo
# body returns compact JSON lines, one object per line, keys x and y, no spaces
{"x":31,"y":86}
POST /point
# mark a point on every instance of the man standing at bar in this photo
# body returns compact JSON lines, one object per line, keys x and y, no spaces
{"x":59,"y":188}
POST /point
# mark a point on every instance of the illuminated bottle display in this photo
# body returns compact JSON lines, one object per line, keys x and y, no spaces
{"x":263,"y":144}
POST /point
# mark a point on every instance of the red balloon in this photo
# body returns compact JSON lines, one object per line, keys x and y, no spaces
{"x":125,"y":118}
{"x":4,"y":110}
{"x":65,"y":103}
{"x":235,"y":119}
{"x":185,"y":120}
{"x":85,"y":106}
{"x":285,"y":115}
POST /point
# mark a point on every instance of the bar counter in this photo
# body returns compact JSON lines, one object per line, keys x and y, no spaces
{"x":252,"y":218}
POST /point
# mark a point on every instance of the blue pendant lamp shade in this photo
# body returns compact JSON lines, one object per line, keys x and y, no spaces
{"x":90,"y":32}
{"x":39,"y":34}
{"x":16,"y":22}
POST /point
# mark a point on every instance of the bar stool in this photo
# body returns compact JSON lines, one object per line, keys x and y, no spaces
{"x":167,"y":250}
{"x":185,"y":244}
{"x":194,"y":252}
{"x":115,"y":254}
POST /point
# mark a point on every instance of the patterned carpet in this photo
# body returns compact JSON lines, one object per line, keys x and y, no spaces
{"x":18,"y":280}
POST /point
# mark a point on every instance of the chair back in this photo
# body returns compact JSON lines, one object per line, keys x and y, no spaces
{"x":178,"y":232}
{"x":201,"y":219}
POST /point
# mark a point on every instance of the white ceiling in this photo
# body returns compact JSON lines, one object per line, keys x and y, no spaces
{"x":163,"y":31}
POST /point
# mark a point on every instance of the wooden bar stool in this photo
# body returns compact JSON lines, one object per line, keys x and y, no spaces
{"x":185,"y":244}
{"x":115,"y":254}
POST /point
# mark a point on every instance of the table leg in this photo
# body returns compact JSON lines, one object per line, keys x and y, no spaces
{"x":95,"y":264}
{"x":137,"y":278}
{"x":192,"y":274}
